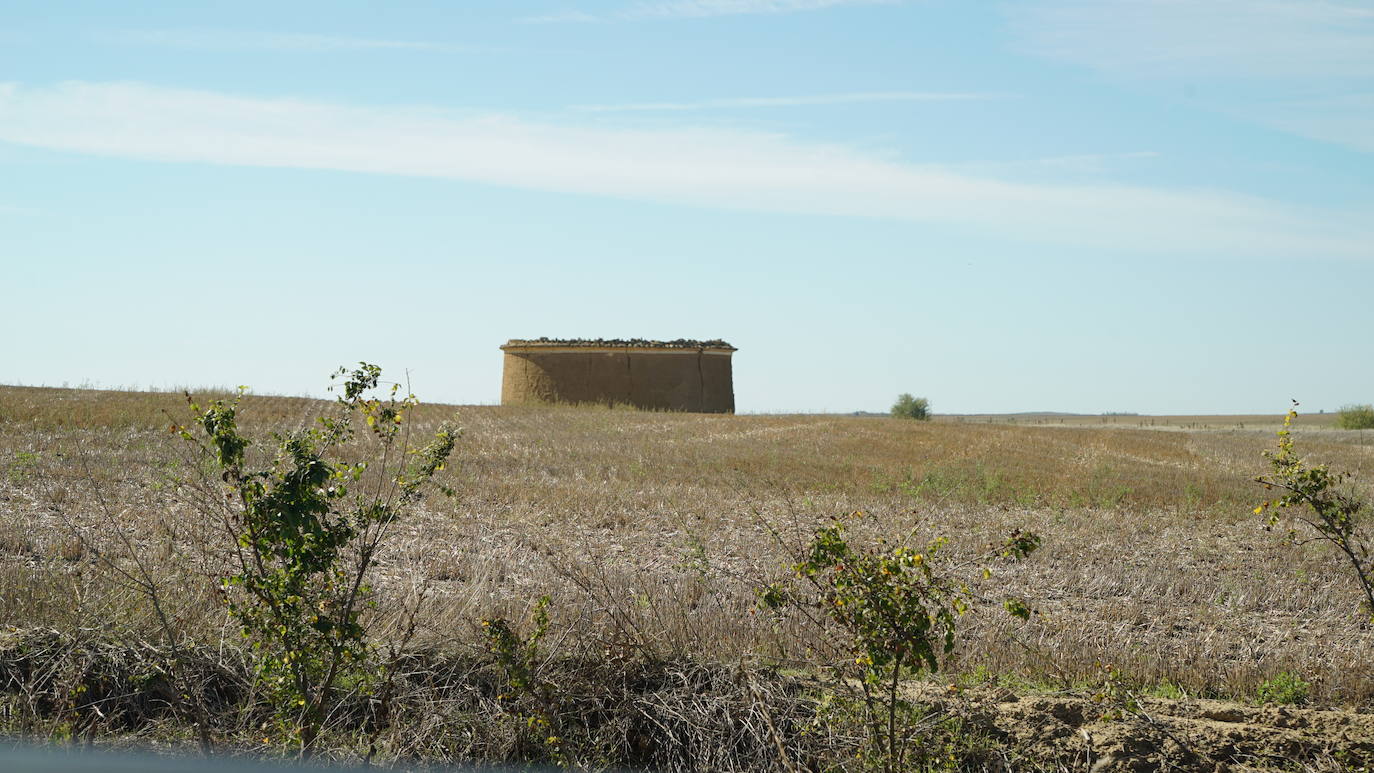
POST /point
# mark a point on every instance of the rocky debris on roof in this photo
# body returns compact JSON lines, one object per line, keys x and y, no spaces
{"x":607,"y":343}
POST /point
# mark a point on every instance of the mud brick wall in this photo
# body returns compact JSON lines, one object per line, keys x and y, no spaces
{"x":669,"y":378}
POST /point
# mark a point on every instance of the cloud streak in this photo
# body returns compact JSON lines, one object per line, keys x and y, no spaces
{"x":1344,"y":120}
{"x":247,"y":40}
{"x":1080,"y":164}
{"x":800,"y":101}
{"x":700,"y":9}
{"x":1303,"y":67}
{"x":696,"y":9}
{"x":1222,"y":38}
{"x":703,"y":167}
{"x":559,"y":18}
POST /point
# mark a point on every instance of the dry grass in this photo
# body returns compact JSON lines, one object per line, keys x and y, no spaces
{"x":1142,"y":421}
{"x":648,"y":532}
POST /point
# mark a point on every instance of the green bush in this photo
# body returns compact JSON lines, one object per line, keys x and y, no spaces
{"x":1355,"y":417}
{"x":306,"y":520}
{"x":528,"y":695}
{"x":1322,"y":505}
{"x":1286,"y":688}
{"x":908,"y":407}
{"x":896,"y":610}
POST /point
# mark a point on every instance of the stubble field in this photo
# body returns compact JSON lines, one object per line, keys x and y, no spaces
{"x":651,"y":534}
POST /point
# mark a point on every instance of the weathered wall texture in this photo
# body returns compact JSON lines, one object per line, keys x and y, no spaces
{"x":669,"y":378}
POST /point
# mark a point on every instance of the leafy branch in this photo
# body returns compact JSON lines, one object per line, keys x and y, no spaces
{"x":306,"y":526}
{"x":1319,"y":498}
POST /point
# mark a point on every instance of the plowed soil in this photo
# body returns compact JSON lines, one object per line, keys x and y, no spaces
{"x":1085,"y":733}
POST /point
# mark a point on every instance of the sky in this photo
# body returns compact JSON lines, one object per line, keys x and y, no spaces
{"x":1153,"y":206}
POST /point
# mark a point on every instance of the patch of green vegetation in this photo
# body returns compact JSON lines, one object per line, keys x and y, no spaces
{"x":1167,"y":690}
{"x":908,"y":407}
{"x":1100,"y":490}
{"x":977,"y":482}
{"x":1355,"y":417}
{"x":23,"y":466}
{"x":897,"y":609}
{"x":1284,"y":688}
{"x":1330,"y":510}
{"x":307,"y":529}
{"x":982,"y":676}
{"x":933,"y":741}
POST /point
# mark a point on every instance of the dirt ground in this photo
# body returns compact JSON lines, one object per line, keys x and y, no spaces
{"x":1090,"y":732}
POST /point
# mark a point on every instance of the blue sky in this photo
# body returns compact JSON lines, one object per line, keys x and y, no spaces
{"x":1120,"y":205}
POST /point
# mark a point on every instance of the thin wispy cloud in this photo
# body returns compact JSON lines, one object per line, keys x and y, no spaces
{"x":248,"y":40}
{"x":699,"y":9}
{"x":703,"y":167}
{"x":1208,"y":38}
{"x":1346,"y":120}
{"x":1078,"y":164}
{"x":800,"y":101}
{"x":691,"y":9}
{"x":1305,"y":67}
{"x":559,"y":18}
{"x":1091,"y":159}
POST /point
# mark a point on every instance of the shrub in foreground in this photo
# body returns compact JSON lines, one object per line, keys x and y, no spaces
{"x":1322,"y":502}
{"x":896,"y":608}
{"x":305,"y":523}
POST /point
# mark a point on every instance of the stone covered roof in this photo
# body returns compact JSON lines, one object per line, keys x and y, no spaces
{"x":620,"y":343}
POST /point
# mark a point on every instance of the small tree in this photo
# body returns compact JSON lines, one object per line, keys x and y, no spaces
{"x":528,"y":695}
{"x":896,"y":610}
{"x":1355,"y":417}
{"x":1331,"y":513}
{"x":908,"y":407}
{"x":305,"y":523}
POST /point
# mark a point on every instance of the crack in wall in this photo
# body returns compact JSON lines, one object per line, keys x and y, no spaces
{"x":701,"y":382}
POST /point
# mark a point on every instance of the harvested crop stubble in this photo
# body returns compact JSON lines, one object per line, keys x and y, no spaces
{"x":670,"y":716}
{"x":646,"y":529}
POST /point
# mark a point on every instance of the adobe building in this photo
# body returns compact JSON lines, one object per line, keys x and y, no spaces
{"x":680,"y":375}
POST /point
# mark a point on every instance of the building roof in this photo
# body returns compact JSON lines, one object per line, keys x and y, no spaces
{"x":618,"y":343}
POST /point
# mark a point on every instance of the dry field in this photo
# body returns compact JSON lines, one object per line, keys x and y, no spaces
{"x":1314,"y":421}
{"x":651,"y":533}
